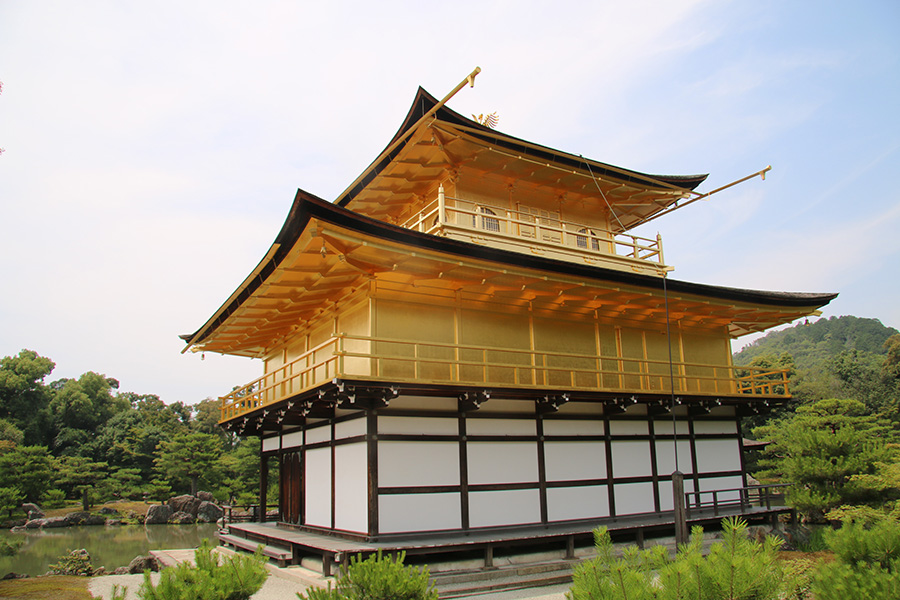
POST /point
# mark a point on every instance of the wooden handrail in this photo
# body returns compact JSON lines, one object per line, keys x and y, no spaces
{"x":474,"y":365}
{"x":438,"y":213}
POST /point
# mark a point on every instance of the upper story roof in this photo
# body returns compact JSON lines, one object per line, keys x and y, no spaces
{"x":447,"y":141}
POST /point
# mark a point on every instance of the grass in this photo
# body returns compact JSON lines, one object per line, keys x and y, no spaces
{"x":57,"y":587}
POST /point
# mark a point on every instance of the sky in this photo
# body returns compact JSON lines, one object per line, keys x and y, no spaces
{"x":152,"y":149}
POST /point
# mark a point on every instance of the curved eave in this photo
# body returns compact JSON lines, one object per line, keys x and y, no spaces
{"x":307,"y":206}
{"x":424,"y":102}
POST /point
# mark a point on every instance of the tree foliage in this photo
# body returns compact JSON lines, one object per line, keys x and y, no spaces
{"x":192,"y":456}
{"x":105,"y":439}
{"x":736,"y":568}
{"x":377,"y":578}
{"x":234,"y":578}
{"x":24,"y":399}
{"x":867,"y":565}
{"x":831,"y":452}
{"x":841,"y":357}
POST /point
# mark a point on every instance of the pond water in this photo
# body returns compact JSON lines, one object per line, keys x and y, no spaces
{"x":110,"y":547}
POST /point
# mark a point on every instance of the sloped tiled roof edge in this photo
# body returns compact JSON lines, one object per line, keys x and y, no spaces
{"x":424,"y":102}
{"x":307,"y":206}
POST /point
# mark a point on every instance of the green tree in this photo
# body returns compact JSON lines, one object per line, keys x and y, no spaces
{"x":130,"y":438}
{"x":736,"y":568}
{"x":239,"y":473}
{"x":11,"y":433}
{"x":77,"y":474}
{"x":213,"y":578}
{"x":86,"y":402}
{"x":867,"y":564}
{"x":206,"y":419}
{"x":10,"y":499}
{"x":28,"y":469}
{"x":891,"y":365}
{"x":377,"y":578}
{"x":24,"y":398}
{"x":191,"y":456}
{"x":825,"y":451}
{"x":864,"y":378}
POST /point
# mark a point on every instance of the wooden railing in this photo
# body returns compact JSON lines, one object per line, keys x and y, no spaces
{"x":401,"y":361}
{"x":248,"y":513}
{"x":440,"y":217}
{"x":767,"y":496}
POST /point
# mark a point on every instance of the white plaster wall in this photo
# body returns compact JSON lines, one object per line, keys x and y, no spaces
{"x":585,"y":502}
{"x":318,"y":434}
{"x":631,"y":459}
{"x":721,"y":483}
{"x":318,"y":487}
{"x":665,"y":427}
{"x":570,"y":461}
{"x":584,"y":427}
{"x":580,"y":408}
{"x":666,"y":500}
{"x":351,"y":428}
{"x":509,"y":507}
{"x":292,"y":440}
{"x":425,"y":402}
{"x":628,"y":428}
{"x":418,"y":425}
{"x":665,"y":459}
{"x":417,"y":463}
{"x":701,"y":427}
{"x":507,"y":406}
{"x":418,"y":512}
{"x":269,"y":444}
{"x":502,"y":462}
{"x":350,"y":488}
{"x":718,"y":455}
{"x":500,"y":427}
{"x":634,"y":498}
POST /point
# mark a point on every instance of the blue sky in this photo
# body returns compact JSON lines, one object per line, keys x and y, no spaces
{"x":152,"y":150}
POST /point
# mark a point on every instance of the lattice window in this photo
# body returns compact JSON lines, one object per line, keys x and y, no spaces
{"x":584,"y":234}
{"x":485,"y":219}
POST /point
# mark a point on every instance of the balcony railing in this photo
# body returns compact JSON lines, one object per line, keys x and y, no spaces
{"x":448,"y":216}
{"x":400,"y":361}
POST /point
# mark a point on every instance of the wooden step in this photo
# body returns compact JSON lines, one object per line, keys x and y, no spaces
{"x":486,"y":581}
{"x":282,"y":556}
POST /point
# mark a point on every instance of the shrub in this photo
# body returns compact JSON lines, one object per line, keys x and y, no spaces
{"x":235,"y":578}
{"x":736,"y":568}
{"x":76,"y":562}
{"x":867,"y":565}
{"x":377,"y":578}
{"x":54,"y":499}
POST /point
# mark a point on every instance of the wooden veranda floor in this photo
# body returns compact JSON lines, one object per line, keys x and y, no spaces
{"x":288,"y":541}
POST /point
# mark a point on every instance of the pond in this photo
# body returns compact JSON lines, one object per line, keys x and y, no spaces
{"x":110,"y":547}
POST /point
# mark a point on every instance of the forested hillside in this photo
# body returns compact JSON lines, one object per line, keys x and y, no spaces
{"x":813,"y":343}
{"x":836,"y":442}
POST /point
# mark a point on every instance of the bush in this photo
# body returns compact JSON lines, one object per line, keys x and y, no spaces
{"x":377,"y":578}
{"x":867,"y":565}
{"x":54,"y":499}
{"x":10,"y":547}
{"x":236,"y":578}
{"x":76,"y":562}
{"x":736,"y":568}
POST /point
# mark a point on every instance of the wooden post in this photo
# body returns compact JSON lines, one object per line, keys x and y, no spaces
{"x":681,"y":530}
{"x":263,"y":485}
